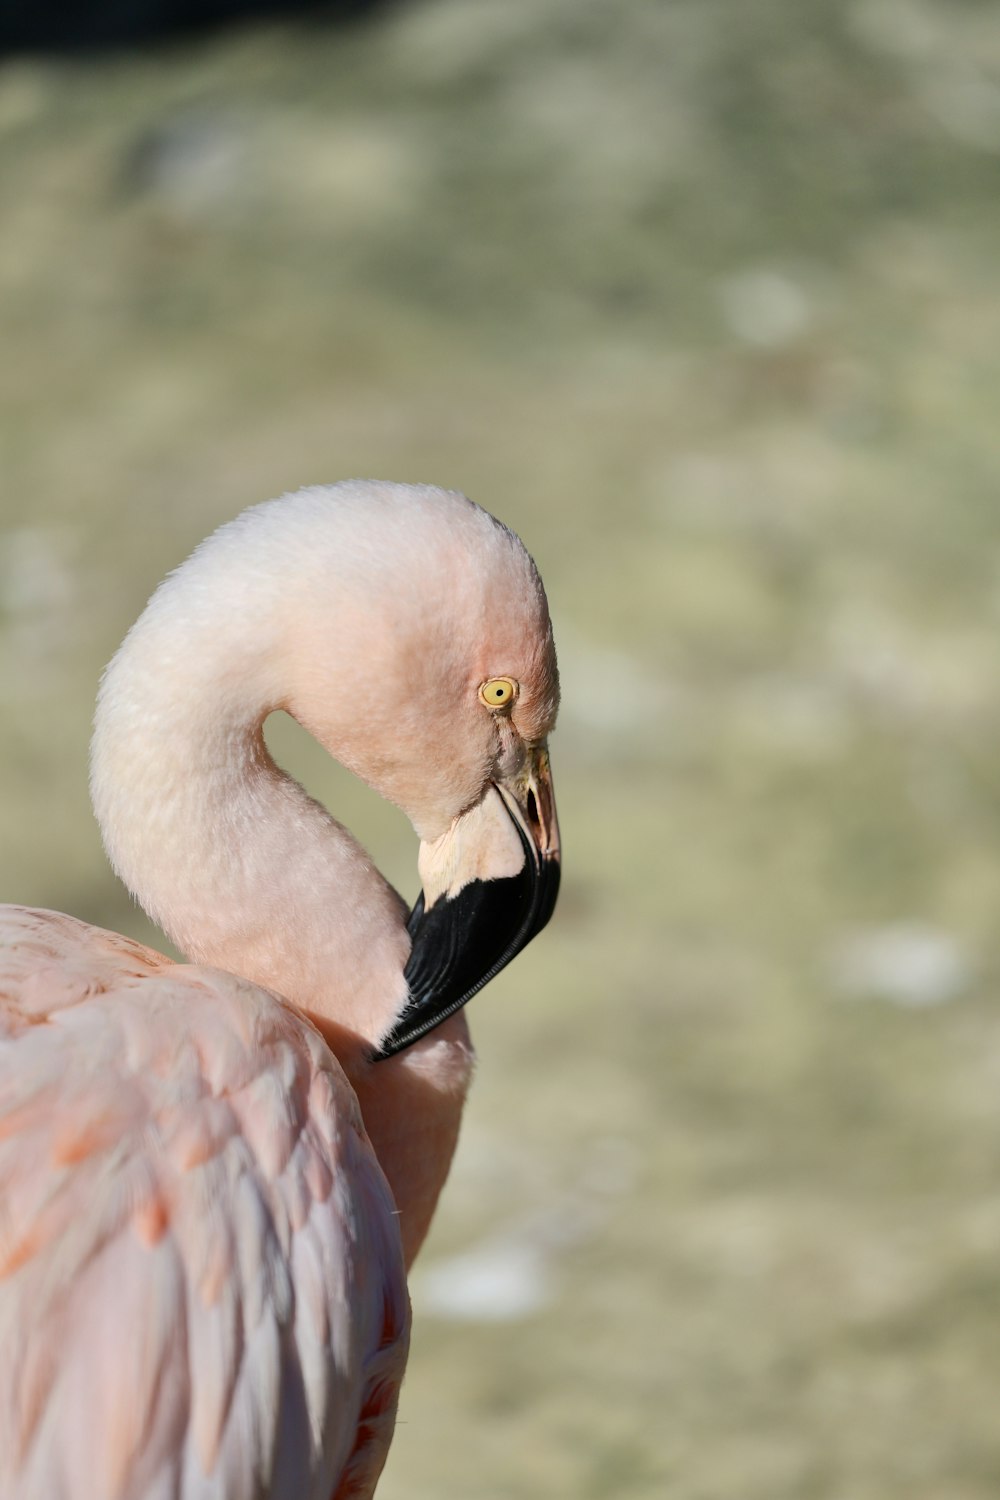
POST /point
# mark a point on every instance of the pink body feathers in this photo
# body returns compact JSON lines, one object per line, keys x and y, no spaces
{"x":198,"y":1260}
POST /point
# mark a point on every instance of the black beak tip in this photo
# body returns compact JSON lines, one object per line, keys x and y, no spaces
{"x":461,"y":942}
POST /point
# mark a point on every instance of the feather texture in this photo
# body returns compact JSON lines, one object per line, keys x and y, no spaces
{"x":202,"y":1293}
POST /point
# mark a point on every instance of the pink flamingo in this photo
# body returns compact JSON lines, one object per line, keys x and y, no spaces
{"x":213,"y":1176}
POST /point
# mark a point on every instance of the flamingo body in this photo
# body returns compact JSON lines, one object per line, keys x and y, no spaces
{"x":214,"y":1176}
{"x":202,"y":1290}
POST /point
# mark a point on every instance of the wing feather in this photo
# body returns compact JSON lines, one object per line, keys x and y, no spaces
{"x":202,"y":1294}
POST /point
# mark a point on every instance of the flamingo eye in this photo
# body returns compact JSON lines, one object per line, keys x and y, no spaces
{"x":499,"y":692}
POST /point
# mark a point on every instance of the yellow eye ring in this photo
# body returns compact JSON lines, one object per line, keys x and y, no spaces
{"x":498,"y":692}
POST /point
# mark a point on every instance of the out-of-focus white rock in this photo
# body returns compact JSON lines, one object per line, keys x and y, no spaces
{"x":194,"y":162}
{"x":905,"y":963}
{"x":499,"y":1281}
{"x":765,"y":307}
{"x":513,"y":1273}
{"x":966,"y":102}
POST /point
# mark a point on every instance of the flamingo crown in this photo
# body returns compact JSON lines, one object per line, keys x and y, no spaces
{"x":196,"y":1160}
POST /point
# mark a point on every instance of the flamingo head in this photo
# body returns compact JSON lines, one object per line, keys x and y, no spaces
{"x":430,"y":671}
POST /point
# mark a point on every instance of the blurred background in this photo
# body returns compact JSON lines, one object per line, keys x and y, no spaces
{"x":701,"y":297}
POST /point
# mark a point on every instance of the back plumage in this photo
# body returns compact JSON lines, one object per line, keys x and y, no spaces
{"x":201,"y":1286}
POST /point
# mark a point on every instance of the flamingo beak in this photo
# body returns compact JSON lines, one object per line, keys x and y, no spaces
{"x":489,"y":885}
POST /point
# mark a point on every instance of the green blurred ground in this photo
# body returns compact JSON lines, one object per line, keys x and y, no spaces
{"x":702,"y":298}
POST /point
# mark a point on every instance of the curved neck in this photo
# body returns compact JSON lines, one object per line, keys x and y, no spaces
{"x":238,"y":865}
{"x":244,"y":871}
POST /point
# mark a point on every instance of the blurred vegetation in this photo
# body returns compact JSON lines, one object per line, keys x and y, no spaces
{"x":702,"y":298}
